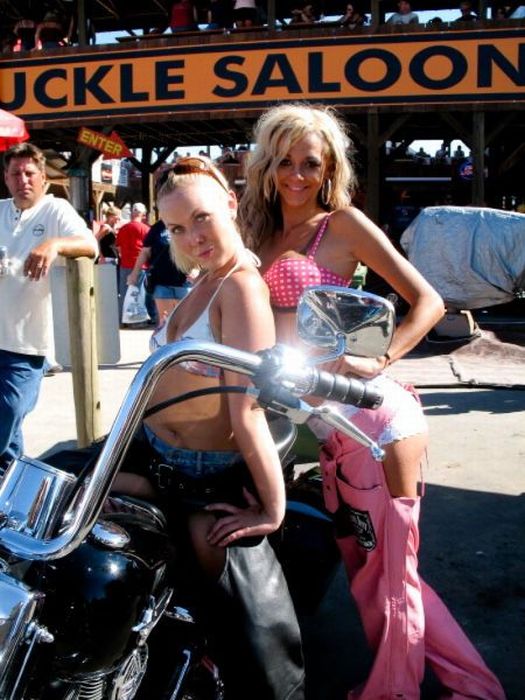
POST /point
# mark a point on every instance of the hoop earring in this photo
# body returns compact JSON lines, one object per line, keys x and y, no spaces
{"x":326,"y":192}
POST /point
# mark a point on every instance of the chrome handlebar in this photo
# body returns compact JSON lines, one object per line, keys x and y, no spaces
{"x":97,"y":487}
{"x":80,"y":518}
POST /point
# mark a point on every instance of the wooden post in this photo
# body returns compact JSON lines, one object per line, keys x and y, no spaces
{"x":82,"y":23}
{"x":151,"y":203}
{"x":478,"y":159}
{"x":83,"y":345}
{"x":270,"y":14}
{"x":372,"y":185}
{"x":145,"y":171}
{"x":377,"y":14}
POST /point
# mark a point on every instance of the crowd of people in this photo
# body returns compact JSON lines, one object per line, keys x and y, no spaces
{"x":51,"y":30}
{"x":140,"y":254}
{"x":230,"y":265}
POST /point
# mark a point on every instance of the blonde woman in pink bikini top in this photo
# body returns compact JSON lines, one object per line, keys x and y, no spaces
{"x":297,"y":215}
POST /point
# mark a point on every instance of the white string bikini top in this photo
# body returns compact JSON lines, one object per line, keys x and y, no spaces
{"x":199,"y":330}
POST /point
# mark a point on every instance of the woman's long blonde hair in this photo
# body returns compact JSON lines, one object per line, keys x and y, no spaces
{"x":171,"y":181}
{"x":276,"y":131}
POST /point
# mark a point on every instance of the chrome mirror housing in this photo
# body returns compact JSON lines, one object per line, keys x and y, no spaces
{"x":343,"y":320}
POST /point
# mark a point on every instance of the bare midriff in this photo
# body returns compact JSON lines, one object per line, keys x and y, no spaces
{"x":201,"y":423}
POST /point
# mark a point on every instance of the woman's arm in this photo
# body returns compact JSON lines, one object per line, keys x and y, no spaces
{"x":100,"y":230}
{"x":247,"y":324}
{"x":366,"y":242}
{"x":142,"y":258}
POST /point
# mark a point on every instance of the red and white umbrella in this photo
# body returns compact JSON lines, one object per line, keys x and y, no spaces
{"x":12,"y":130}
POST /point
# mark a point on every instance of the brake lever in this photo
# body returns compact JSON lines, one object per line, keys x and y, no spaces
{"x":282,"y":402}
{"x":330,"y":416}
{"x":298,"y":411}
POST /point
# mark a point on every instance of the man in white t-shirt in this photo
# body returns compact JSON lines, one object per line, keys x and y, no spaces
{"x":404,"y":15}
{"x":35,"y":228}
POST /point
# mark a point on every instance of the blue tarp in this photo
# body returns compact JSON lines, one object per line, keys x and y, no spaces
{"x":473,"y":256}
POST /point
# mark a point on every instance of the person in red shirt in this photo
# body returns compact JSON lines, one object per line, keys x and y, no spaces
{"x":183,"y":16}
{"x":130,"y":238}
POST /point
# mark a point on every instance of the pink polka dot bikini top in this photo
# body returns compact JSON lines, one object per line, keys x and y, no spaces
{"x":287,"y":278}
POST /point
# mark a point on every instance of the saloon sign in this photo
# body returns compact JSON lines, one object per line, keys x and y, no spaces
{"x":456,"y":67}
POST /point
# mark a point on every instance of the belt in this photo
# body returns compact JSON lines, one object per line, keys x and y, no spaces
{"x":226,"y":486}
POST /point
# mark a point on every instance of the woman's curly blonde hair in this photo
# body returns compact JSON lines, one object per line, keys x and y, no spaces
{"x":276,"y":131}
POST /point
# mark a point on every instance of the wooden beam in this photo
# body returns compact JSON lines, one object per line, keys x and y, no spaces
{"x":502,"y":124}
{"x":357,"y":134}
{"x":162,"y":157}
{"x":457,"y":126}
{"x":79,"y":173}
{"x":512,"y":160}
{"x":481,"y":9}
{"x":99,"y":195}
{"x":110,"y":7}
{"x":376,"y":14}
{"x":391,"y":130}
{"x":146,"y":173}
{"x":14,"y":9}
{"x":161,"y":6}
{"x":270,"y":14}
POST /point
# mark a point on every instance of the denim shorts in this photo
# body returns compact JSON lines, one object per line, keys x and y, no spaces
{"x":193,"y":463}
{"x":163,"y":291}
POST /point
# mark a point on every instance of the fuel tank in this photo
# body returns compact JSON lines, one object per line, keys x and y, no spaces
{"x":98,"y":594}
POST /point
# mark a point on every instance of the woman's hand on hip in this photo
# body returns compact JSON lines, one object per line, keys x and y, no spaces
{"x":366,"y":367}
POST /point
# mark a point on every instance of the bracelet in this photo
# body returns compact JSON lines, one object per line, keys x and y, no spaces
{"x":388,"y":359}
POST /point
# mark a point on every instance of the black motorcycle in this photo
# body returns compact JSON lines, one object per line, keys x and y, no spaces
{"x":95,"y":598}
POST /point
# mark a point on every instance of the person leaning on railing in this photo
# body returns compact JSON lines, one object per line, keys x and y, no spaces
{"x":304,"y":15}
{"x":50,"y":32}
{"x":183,"y":17}
{"x":404,"y":15}
{"x":352,"y":17}
{"x":35,"y":229}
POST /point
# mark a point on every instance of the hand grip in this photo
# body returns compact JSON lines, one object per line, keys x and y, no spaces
{"x":344,"y":389}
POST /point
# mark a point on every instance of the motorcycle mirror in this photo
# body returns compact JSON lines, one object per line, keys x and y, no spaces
{"x":346,"y":320}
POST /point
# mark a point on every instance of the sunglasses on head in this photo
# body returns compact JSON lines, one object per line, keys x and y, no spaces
{"x":191,"y":165}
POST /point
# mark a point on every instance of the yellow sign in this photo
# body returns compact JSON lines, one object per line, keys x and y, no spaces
{"x":480,"y":66}
{"x":111,"y":146}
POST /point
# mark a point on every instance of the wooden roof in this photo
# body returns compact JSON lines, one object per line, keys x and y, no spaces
{"x":213,"y":129}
